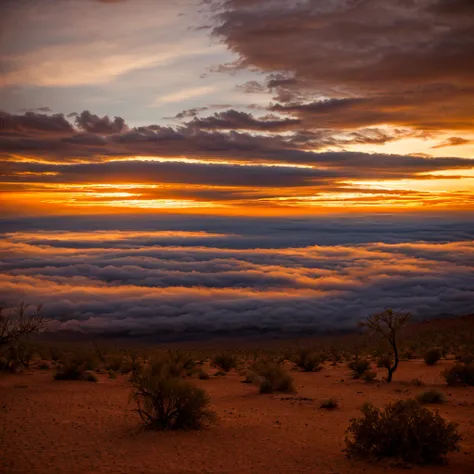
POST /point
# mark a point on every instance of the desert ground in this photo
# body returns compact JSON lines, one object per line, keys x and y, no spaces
{"x":49,"y":426}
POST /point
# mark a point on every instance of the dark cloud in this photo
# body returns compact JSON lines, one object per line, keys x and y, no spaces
{"x":453,"y":141}
{"x":101,"y":126}
{"x":190,"y":112}
{"x":233,"y":119}
{"x":255,"y":274}
{"x":54,"y":139}
{"x":38,"y":109}
{"x":405,"y":62}
{"x":33,"y":123}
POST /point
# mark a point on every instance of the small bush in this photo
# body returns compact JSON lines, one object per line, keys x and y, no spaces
{"x":114,"y":363}
{"x":165,"y":403}
{"x":43,"y":366}
{"x":112,"y":374}
{"x":308,"y":361}
{"x":384,"y":362}
{"x":203,"y":375}
{"x":89,"y":377}
{"x":432,"y":356}
{"x":417,"y":382}
{"x":460,"y":374}
{"x":220,"y":373}
{"x":405,"y":430}
{"x":224,"y":361}
{"x":271,"y":377}
{"x":431,"y":396}
{"x":71,"y":370}
{"x":249,"y":377}
{"x":359,"y":367}
{"x":465,"y":357}
{"x":329,"y":404}
{"x":369,"y":376}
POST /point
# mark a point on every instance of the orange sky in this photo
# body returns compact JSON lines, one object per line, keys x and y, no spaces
{"x":192,"y":109}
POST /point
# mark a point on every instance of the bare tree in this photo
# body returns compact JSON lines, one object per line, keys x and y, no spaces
{"x":18,"y":322}
{"x":388,"y":325}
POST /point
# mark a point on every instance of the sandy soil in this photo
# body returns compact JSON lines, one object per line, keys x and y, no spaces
{"x":52,"y":427}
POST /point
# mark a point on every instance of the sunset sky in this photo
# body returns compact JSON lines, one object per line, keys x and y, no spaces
{"x":212,"y":117}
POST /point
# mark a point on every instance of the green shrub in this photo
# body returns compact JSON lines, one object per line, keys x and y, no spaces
{"x":308,"y":361}
{"x":359,"y":367}
{"x":431,"y":396}
{"x":404,"y":430}
{"x":165,"y":402}
{"x":432,"y":356}
{"x":224,"y":361}
{"x":329,"y":404}
{"x":459,"y":374}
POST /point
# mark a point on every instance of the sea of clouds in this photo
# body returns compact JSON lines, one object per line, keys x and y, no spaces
{"x":143,"y":275}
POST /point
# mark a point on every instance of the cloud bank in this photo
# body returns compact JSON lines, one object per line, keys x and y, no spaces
{"x":218,"y":275}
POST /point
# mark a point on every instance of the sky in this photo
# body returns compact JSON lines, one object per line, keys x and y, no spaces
{"x":191,"y":165}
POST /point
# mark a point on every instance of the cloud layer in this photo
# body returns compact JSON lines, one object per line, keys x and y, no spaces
{"x":299,"y":275}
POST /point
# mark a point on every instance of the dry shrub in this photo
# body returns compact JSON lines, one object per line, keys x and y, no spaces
{"x":308,"y":361}
{"x":432,"y":356}
{"x":405,"y":430}
{"x":224,"y":361}
{"x":385,"y":362}
{"x":114,"y":363}
{"x":271,"y":377}
{"x":359,"y":367}
{"x":329,"y":404}
{"x":369,"y":376}
{"x":459,"y":374}
{"x":72,"y":370}
{"x":203,"y":375}
{"x":166,"y":402}
{"x":431,"y":396}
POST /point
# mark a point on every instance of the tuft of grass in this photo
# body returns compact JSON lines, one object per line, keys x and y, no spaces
{"x":431,"y":396}
{"x":329,"y":404}
{"x":404,"y":430}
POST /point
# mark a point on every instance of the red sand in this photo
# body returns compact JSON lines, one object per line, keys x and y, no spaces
{"x":49,"y":427}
